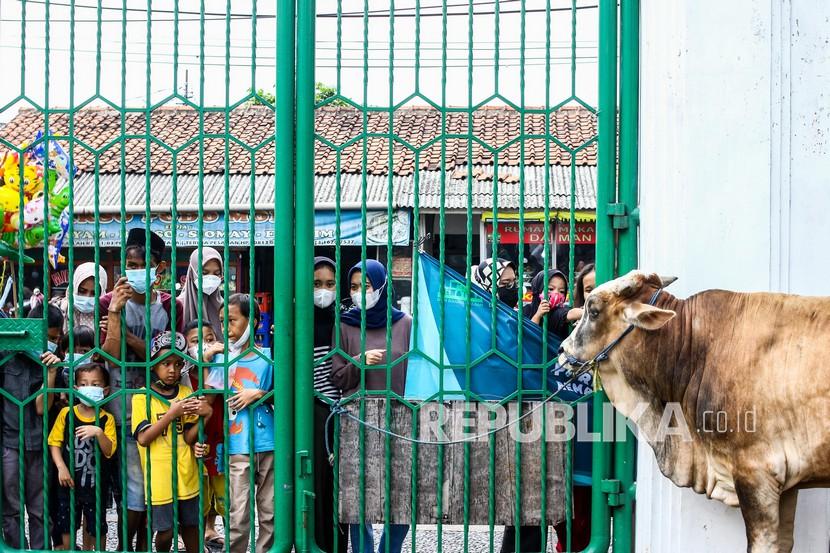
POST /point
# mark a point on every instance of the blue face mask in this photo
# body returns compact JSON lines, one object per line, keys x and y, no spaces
{"x":93,"y":394}
{"x":137,"y":279}
{"x":51,"y":346}
{"x":74,"y":357}
{"x":84,"y":304}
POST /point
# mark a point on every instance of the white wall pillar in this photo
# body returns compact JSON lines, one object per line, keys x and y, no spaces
{"x":734,"y":193}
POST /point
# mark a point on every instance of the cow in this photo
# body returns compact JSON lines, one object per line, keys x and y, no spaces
{"x":746,"y":373}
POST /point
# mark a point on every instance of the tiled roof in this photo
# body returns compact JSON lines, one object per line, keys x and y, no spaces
{"x":98,"y":131}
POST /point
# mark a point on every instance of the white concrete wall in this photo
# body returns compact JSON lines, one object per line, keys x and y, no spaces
{"x":734,"y":193}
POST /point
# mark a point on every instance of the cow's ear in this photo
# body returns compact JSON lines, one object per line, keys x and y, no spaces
{"x":647,"y":316}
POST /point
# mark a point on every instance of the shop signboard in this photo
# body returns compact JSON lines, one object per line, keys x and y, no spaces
{"x":238,"y":228}
{"x":509,"y":232}
{"x":584,"y":233}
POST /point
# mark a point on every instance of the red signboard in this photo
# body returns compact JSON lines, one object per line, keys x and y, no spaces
{"x":584,"y":233}
{"x":509,"y":232}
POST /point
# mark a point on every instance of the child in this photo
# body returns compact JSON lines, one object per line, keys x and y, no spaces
{"x":214,"y":478}
{"x":129,"y":300}
{"x":92,"y":382}
{"x":249,"y":378}
{"x":22,"y":378}
{"x":83,"y":338}
{"x":152,"y":428}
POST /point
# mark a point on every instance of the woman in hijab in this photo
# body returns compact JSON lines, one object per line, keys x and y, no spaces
{"x":549,"y":302}
{"x":84,"y":296}
{"x":325,"y":285}
{"x":346,"y":375}
{"x":211,"y":274}
{"x":504,"y":277}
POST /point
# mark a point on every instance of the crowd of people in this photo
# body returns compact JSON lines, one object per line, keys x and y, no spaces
{"x":181,"y":446}
{"x":337,"y":376}
{"x":116,"y":450}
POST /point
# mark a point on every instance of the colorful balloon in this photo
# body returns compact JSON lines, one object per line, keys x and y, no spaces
{"x":46,"y":164}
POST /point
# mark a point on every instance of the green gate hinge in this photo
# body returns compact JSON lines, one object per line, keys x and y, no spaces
{"x":620,"y":220}
{"x":613,"y":489}
{"x":303,"y":464}
{"x":22,"y":334}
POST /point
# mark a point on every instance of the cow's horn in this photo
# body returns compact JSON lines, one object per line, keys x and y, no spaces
{"x":667,"y":280}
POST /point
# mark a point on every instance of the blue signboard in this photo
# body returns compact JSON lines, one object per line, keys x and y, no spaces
{"x":239,"y":227}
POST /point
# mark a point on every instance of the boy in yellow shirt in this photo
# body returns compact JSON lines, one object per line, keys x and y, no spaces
{"x":92,"y":383}
{"x":153,"y":428}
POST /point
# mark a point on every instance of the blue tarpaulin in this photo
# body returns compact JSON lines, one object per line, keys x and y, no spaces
{"x":490,"y":348}
{"x":493,"y":349}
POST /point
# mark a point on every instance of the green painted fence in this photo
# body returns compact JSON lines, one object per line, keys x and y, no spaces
{"x":465,"y":115}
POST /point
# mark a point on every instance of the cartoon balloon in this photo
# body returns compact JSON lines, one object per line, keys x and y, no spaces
{"x":46,"y":164}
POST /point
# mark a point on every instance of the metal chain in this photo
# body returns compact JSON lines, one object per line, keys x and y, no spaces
{"x":337,"y":409}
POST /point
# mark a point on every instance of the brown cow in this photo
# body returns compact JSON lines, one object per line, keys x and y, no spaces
{"x":747,"y":373}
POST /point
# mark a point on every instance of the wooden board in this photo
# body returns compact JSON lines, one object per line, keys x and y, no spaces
{"x":466,"y":467}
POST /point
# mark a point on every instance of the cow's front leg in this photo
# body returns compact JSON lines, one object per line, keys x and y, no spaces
{"x":786,"y":520}
{"x":759,"y":497}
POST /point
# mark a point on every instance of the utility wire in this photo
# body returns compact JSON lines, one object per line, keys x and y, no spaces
{"x":346,"y":15}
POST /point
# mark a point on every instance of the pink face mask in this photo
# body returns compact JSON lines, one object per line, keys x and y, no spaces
{"x":555,"y":299}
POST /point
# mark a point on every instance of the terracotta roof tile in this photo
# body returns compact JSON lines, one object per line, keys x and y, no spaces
{"x":417,"y":140}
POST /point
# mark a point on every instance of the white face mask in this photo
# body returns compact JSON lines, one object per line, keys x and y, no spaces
{"x":240,"y":344}
{"x":84,"y":304}
{"x":210,"y":283}
{"x":372,"y":298}
{"x":323,"y":298}
{"x":193,"y":351}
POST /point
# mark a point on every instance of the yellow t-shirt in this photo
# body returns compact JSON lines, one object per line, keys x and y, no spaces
{"x":161,"y":450}
{"x":84,"y":449}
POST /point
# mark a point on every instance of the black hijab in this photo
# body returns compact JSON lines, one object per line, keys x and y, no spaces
{"x":323,"y":317}
{"x":376,"y":316}
{"x":539,"y":287}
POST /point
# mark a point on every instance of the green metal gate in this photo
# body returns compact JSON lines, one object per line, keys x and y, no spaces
{"x":459,"y":126}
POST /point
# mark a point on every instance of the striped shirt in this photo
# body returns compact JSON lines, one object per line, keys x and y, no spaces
{"x":322,"y":374}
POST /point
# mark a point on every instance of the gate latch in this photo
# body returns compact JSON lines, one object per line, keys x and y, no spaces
{"x":613,"y":489}
{"x":303,"y":464}
{"x":22,"y":334}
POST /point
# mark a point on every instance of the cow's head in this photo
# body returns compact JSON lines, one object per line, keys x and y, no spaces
{"x":611,"y":308}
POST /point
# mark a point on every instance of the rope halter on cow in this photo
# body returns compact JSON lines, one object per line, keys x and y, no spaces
{"x":584,"y":366}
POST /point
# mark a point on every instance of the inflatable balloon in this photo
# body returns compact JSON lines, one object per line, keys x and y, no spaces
{"x":43,"y":166}
{"x":31,"y":180}
{"x":56,"y":159}
{"x":56,"y":246}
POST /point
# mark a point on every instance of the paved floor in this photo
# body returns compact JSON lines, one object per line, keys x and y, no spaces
{"x":426,"y":540}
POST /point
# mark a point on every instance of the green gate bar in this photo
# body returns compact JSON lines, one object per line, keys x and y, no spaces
{"x":625,"y":451}
{"x":303,"y":200}
{"x":606,"y":194}
{"x":284,"y":289}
